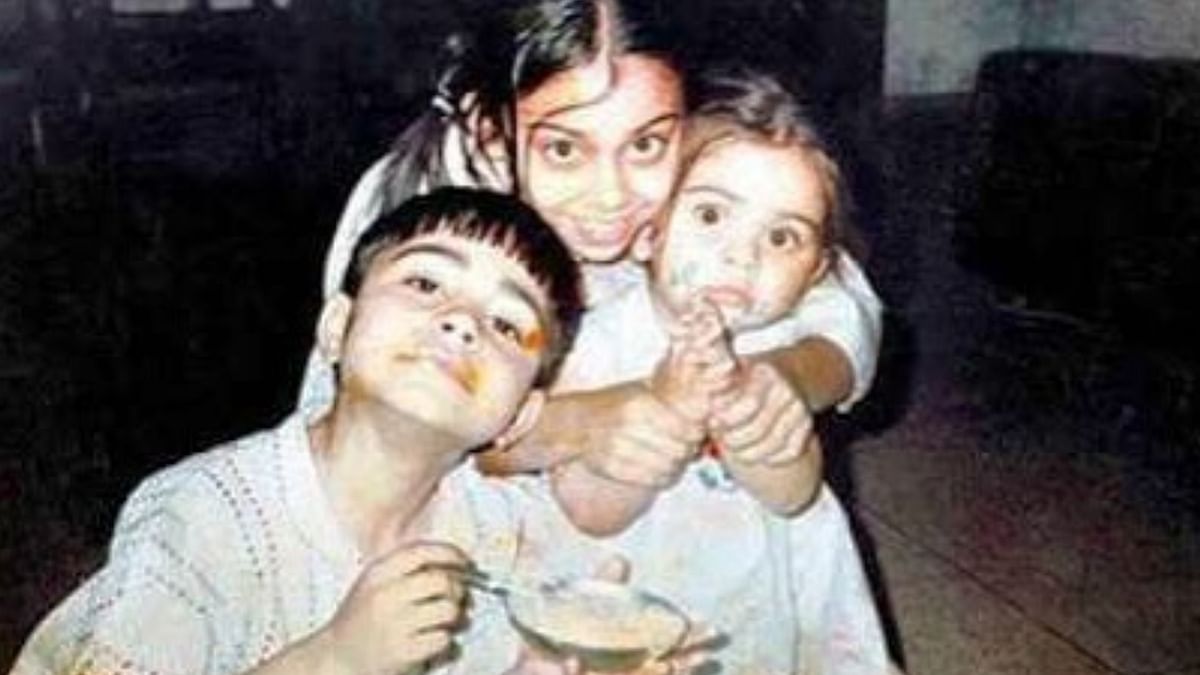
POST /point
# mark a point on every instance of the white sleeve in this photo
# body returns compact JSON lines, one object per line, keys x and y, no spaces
{"x":843,"y":309}
{"x":619,"y":341}
{"x":155,"y":607}
{"x":550,"y":545}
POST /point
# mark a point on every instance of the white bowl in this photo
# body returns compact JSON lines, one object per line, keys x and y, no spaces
{"x":608,"y":626}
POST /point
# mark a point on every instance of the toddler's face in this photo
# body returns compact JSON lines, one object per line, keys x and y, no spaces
{"x":745,"y":232}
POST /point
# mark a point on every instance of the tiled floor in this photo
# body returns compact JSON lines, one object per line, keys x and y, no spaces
{"x":1014,"y":539}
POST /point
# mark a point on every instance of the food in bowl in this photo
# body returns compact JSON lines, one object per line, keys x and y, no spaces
{"x":608,"y":626}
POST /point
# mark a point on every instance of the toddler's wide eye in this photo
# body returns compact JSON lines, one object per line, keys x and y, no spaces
{"x":783,"y":237}
{"x":421,"y":284}
{"x":708,"y":214}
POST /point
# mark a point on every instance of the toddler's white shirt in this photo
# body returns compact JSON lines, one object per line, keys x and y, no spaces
{"x":789,"y":595}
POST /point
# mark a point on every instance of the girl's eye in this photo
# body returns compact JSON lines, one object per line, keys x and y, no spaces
{"x":708,"y":214}
{"x":561,"y":151}
{"x":783,"y":237}
{"x":650,"y":148}
{"x":507,"y":329}
{"x":421,"y":284}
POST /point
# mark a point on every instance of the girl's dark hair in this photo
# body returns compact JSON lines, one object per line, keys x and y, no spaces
{"x":501,"y":220}
{"x":506,"y":51}
{"x":734,"y":101}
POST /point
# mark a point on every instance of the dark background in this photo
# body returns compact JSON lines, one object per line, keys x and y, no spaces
{"x":168,"y":184}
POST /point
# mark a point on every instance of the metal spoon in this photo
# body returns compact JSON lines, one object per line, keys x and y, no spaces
{"x":504,"y":586}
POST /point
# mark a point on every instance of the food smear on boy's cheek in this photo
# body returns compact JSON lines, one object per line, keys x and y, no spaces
{"x":534,"y":341}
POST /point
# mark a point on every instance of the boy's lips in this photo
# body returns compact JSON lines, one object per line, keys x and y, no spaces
{"x":460,"y":371}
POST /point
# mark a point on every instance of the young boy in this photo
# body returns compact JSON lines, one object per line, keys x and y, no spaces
{"x":744,"y":536}
{"x":338,"y":546}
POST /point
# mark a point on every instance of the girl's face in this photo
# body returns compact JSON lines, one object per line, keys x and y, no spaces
{"x":599,"y":151}
{"x":745,"y":232}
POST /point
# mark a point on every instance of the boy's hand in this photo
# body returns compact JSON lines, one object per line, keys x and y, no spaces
{"x":401,"y":612}
{"x":763,"y":421}
{"x":649,"y":446}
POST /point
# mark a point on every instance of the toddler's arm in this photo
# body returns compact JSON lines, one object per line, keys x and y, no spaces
{"x":761,"y":427}
{"x":766,"y":441}
{"x":832,"y":340}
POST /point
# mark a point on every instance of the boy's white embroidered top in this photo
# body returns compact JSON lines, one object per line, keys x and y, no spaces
{"x":221,"y":560}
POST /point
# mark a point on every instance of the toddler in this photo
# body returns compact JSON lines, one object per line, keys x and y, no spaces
{"x":744,"y":536}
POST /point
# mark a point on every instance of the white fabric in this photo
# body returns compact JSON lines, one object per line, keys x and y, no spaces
{"x":221,"y":560}
{"x":764,"y":581}
{"x":623,"y":340}
{"x":788,"y":594}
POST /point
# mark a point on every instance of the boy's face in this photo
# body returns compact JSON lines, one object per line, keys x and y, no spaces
{"x":449,"y":330}
{"x":745,"y":232}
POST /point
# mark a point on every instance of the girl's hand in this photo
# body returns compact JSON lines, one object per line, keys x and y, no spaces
{"x":763,"y":421}
{"x":649,"y":443}
{"x":402,"y":611}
